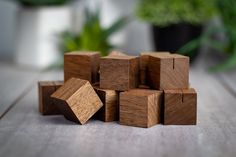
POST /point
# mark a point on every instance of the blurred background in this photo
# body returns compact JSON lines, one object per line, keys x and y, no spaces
{"x":36,"y":33}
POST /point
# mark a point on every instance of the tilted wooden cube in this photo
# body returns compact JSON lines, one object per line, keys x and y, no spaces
{"x":83,"y":65}
{"x":180,"y":107}
{"x":110,"y":110}
{"x":46,"y":104}
{"x":144,"y":60}
{"x":77,"y":100}
{"x":140,"y":107}
{"x":119,"y":73}
{"x":168,"y":71}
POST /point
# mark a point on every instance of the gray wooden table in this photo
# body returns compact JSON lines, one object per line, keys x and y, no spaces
{"x":25,"y":133}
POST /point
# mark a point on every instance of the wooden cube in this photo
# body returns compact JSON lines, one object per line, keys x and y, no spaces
{"x":116,"y":53}
{"x":140,"y":107}
{"x":109,"y":111}
{"x":144,"y":60}
{"x":143,"y":87}
{"x":83,"y":65}
{"x":168,"y":71}
{"x":77,"y":100}
{"x":119,"y":73}
{"x":46,"y":104}
{"x":180,"y":107}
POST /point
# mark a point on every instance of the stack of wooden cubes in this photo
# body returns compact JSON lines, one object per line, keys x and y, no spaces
{"x":139,"y":91}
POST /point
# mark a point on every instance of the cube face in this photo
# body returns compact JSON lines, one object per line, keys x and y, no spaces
{"x":133,"y":111}
{"x":180,"y":107}
{"x":46,"y":104}
{"x":77,"y":100}
{"x":119,"y":72}
{"x":169,"y":72}
{"x":109,"y":111}
{"x":84,"y":103}
{"x":140,"y":107}
{"x":83,"y":65}
{"x":134,"y":73}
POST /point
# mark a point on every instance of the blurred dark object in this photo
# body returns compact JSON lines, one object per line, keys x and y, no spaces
{"x":173,"y":37}
{"x":37,"y":3}
{"x":176,"y":22}
{"x":93,"y":37}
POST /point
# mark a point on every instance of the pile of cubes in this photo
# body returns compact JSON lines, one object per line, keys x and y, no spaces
{"x":139,"y":91}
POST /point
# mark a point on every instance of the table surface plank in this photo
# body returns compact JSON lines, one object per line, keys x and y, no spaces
{"x":24,"y":132}
{"x":14,"y":83}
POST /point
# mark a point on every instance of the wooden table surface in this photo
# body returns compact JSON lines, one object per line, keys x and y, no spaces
{"x":26,"y":133}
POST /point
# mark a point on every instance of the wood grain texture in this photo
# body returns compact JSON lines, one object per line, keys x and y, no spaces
{"x":77,"y":100}
{"x":119,"y":73}
{"x":83,"y":65}
{"x":180,"y":107}
{"x":144,"y":60}
{"x":109,"y":111}
{"x":117,"y":53}
{"x":46,"y":104}
{"x":140,"y":107}
{"x":168,"y":71}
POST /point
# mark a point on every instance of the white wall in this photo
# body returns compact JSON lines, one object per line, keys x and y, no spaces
{"x":8,"y":19}
{"x":135,"y":37}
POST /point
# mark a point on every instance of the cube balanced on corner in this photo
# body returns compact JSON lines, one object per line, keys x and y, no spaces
{"x":139,"y":91}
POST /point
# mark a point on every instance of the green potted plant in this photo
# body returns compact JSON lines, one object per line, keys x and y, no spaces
{"x":93,"y":36}
{"x":38,"y":22}
{"x":227,"y":14}
{"x":175,"y":22}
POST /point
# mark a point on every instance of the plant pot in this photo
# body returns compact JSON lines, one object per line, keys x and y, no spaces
{"x":37,"y":36}
{"x":173,"y":37}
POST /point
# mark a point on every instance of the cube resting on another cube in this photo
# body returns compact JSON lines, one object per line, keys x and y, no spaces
{"x":119,"y":73}
{"x":144,"y":61}
{"x":180,"y":107}
{"x":83,"y":65}
{"x":77,"y":100}
{"x":46,"y":104}
{"x":140,"y":107}
{"x":168,"y":71}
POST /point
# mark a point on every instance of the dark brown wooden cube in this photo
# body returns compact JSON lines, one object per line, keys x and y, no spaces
{"x":77,"y":100}
{"x":83,"y":65}
{"x":119,"y":73}
{"x":140,"y":107}
{"x":110,"y":109}
{"x":144,"y":60}
{"x":168,"y":71}
{"x":180,"y":107}
{"x":46,"y":104}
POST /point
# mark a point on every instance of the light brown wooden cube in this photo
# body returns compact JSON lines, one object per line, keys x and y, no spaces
{"x":180,"y":107}
{"x":168,"y":71}
{"x":140,"y":107}
{"x":77,"y":100}
{"x":144,"y":60}
{"x":46,"y":104}
{"x":119,"y":73}
{"x":83,"y":65}
{"x":109,"y":111}
{"x":116,"y":53}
